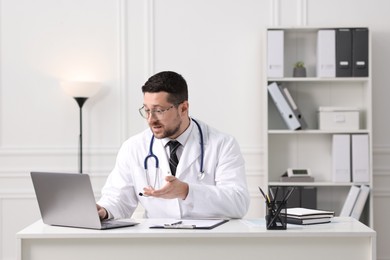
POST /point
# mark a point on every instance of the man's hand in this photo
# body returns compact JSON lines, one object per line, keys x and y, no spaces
{"x":103,"y":214}
{"x":174,"y":188}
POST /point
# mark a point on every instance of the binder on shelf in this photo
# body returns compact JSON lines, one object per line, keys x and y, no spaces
{"x":341,"y":157}
{"x":286,"y":107}
{"x":275,"y":53}
{"x":309,"y":197}
{"x":343,"y":52}
{"x":326,"y":53}
{"x":360,"y":158}
{"x":350,"y":201}
{"x":360,"y":52}
{"x":360,"y":202}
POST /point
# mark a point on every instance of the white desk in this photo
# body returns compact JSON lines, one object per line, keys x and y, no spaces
{"x":344,"y":238}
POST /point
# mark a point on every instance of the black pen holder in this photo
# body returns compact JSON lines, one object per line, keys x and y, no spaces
{"x":276,"y":217}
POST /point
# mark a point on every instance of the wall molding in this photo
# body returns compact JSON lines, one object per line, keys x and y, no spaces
{"x":302,"y":13}
{"x":65,"y":151}
{"x":381,"y":149}
{"x":275,"y":13}
{"x":122,"y":74}
{"x":1,"y":76}
{"x":149,"y":38}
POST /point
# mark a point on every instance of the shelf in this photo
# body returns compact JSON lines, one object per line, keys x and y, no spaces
{"x":316,"y":79}
{"x":312,"y":148}
{"x":315,"y":132}
{"x":310,"y":29}
{"x":315,"y":184}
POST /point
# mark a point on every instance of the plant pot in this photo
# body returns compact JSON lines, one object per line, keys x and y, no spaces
{"x":299,"y":72}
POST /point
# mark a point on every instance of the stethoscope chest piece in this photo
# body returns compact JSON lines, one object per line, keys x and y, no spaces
{"x":201,"y":176}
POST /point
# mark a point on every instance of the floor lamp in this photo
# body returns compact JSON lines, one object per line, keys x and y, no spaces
{"x":80,"y":91}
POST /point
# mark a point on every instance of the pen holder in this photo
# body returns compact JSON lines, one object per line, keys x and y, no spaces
{"x":276,"y":217}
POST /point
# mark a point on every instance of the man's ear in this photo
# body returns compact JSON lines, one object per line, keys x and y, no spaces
{"x":184,"y":107}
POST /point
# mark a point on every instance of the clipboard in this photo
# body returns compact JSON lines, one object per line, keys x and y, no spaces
{"x":190,"y":224}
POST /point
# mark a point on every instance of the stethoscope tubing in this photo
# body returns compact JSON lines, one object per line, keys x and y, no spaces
{"x":152,"y":155}
{"x":201,"y":146}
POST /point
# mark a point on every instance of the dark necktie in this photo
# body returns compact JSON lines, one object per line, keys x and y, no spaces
{"x":173,"y":160}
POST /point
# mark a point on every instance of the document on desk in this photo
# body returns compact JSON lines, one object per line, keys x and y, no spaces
{"x":189,"y":223}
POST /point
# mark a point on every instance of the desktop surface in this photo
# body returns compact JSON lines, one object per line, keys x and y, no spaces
{"x":247,"y":227}
{"x":343,"y":238}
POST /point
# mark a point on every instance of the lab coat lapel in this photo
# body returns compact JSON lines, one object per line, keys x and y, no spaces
{"x":191,"y":151}
{"x":162,"y":157}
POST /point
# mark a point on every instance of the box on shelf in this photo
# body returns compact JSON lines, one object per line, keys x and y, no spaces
{"x":338,"y":118}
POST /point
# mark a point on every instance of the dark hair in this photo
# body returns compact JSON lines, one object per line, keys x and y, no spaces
{"x":168,"y":81}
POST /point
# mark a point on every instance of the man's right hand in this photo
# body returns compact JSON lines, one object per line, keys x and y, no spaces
{"x":103,"y":214}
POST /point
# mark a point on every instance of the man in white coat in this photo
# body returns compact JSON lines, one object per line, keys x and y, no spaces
{"x":209,"y":179}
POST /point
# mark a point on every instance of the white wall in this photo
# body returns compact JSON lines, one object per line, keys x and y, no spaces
{"x":215,"y":44}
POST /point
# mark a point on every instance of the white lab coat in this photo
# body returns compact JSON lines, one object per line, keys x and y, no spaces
{"x":222,"y":192}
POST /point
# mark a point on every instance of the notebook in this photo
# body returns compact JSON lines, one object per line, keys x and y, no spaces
{"x":66,"y":199}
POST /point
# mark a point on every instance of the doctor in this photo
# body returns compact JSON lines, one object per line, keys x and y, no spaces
{"x":208,"y":180}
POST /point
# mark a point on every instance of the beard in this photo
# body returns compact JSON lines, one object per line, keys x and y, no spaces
{"x":173,"y":132}
{"x":161,"y":131}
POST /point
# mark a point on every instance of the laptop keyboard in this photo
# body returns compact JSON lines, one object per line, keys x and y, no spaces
{"x":107,"y":224}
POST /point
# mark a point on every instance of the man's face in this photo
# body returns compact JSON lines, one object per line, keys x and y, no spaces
{"x":165,"y":119}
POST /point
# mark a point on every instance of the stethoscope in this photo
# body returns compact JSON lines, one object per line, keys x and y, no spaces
{"x":152,"y":155}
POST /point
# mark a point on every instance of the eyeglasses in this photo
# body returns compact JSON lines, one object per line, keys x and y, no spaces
{"x":158,"y":113}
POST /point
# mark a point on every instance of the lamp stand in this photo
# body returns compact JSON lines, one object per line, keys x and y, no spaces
{"x":80,"y":101}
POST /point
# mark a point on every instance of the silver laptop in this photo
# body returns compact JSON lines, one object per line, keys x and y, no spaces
{"x":66,"y":199}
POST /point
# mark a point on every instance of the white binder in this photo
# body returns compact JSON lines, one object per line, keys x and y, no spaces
{"x":341,"y":157}
{"x":360,"y":158}
{"x":275,"y":53}
{"x":360,"y":202}
{"x":287,"y":107}
{"x":350,"y":201}
{"x":326,"y":53}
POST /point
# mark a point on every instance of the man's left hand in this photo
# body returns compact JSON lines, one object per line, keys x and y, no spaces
{"x":174,"y":188}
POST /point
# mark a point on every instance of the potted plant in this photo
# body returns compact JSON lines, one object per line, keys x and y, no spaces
{"x":299,"y":69}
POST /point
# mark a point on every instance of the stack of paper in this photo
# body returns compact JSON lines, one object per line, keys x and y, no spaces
{"x":304,"y":216}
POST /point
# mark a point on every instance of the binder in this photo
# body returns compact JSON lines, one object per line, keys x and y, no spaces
{"x":309,"y":197}
{"x":360,"y":52}
{"x":307,"y":216}
{"x":343,"y":53}
{"x":360,"y":158}
{"x":341,"y":157}
{"x":275,"y":53}
{"x":326,"y":53}
{"x":350,"y":201}
{"x":309,"y":213}
{"x":287,"y":107}
{"x":308,"y":221}
{"x":360,"y":202}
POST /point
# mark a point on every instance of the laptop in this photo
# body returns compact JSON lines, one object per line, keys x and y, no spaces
{"x":67,"y":199}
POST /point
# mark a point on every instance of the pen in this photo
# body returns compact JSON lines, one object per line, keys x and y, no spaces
{"x":265,"y":197}
{"x":174,"y":224}
{"x":271,"y":192}
{"x":141,"y":194}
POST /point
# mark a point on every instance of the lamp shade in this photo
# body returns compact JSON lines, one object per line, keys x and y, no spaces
{"x":80,"y":88}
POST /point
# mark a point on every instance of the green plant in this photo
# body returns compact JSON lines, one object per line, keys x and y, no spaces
{"x":299,"y":64}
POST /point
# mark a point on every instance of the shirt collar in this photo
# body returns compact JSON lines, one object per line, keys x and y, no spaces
{"x":182,"y":139}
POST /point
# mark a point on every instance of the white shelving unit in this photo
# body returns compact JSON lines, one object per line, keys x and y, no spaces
{"x":312,"y":148}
